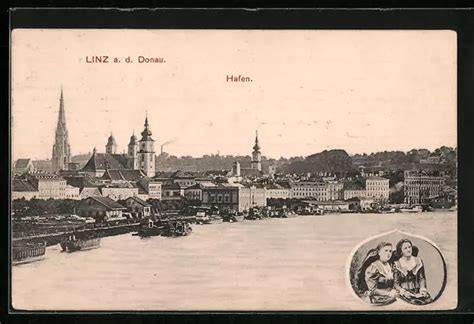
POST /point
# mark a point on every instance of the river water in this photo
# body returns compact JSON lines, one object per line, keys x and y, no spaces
{"x":273,"y":264}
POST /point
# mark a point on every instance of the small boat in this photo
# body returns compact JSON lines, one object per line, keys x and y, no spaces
{"x":414,"y":209}
{"x":149,"y":230}
{"x":73,"y":244}
{"x":177,"y":228}
{"x":206,"y":219}
{"x":28,"y":252}
{"x":233,"y":218}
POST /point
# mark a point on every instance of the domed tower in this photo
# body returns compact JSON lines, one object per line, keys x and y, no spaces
{"x":111,"y":147}
{"x":133,"y":152}
{"x":146,"y":152}
{"x":256,"y":155}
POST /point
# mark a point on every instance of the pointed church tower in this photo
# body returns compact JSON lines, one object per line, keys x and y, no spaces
{"x":256,"y":155}
{"x":111,"y":146}
{"x":146,"y":152}
{"x":61,"y":149}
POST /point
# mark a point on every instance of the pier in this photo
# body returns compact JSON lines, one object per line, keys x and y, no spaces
{"x":103,"y":230}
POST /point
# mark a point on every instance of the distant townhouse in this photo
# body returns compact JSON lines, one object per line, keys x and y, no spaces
{"x":118,"y":191}
{"x":193,"y":192}
{"x":149,"y":189}
{"x":351,"y":193}
{"x":87,"y":186}
{"x":103,"y":209}
{"x":138,"y":207}
{"x":234,"y":196}
{"x":48,"y":185}
{"x":72,"y":192}
{"x":420,"y":187}
{"x":335,"y":190}
{"x":172,"y":191}
{"x":222,"y":196}
{"x":377,"y":188}
{"x":184,"y":179}
{"x":354,"y":190}
{"x":257,"y":196}
{"x":277,"y":191}
{"x":310,"y":189}
{"x":431,"y":160}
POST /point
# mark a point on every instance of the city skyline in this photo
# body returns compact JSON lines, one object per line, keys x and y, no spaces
{"x":363,"y":99}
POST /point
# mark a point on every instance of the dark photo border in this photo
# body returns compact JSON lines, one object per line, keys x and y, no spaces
{"x":459,"y":20}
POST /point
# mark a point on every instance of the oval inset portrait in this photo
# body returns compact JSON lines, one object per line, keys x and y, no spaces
{"x":397,"y":266}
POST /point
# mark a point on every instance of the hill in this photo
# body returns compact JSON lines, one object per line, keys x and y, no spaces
{"x":333,"y":161}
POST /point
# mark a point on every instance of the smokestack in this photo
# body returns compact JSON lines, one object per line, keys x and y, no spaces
{"x":161,"y":149}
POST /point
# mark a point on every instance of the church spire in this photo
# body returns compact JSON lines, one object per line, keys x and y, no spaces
{"x":62,"y":115}
{"x":61,"y":156}
{"x":146,"y":134}
{"x":256,"y":147}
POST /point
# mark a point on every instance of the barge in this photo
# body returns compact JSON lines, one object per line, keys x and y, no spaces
{"x":73,"y":244}
{"x":27,"y":252}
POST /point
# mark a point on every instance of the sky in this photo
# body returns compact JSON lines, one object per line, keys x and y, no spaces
{"x":311,"y":90}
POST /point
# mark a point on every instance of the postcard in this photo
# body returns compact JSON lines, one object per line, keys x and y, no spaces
{"x":233,"y":170}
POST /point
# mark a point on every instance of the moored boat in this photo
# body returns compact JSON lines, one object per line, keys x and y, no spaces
{"x":206,"y":219}
{"x":28,"y":252}
{"x":149,"y":230}
{"x":233,"y":218}
{"x":73,"y":244}
{"x":414,"y":209}
{"x":176,"y":229}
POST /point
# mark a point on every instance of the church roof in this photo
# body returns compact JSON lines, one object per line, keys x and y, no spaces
{"x":22,"y":163}
{"x":108,"y":203}
{"x":101,"y":161}
{"x":124,"y":174}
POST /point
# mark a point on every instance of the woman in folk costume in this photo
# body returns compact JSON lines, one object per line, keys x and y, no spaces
{"x":376,"y":278}
{"x":409,"y":274}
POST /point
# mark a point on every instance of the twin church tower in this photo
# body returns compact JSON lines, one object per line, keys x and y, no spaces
{"x":140,"y":154}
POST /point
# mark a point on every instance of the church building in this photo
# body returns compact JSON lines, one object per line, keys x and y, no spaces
{"x":140,"y":157}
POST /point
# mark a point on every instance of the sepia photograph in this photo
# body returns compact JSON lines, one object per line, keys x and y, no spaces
{"x":233,"y":170}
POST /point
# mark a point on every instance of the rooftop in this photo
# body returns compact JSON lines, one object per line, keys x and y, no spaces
{"x":108,"y":202}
